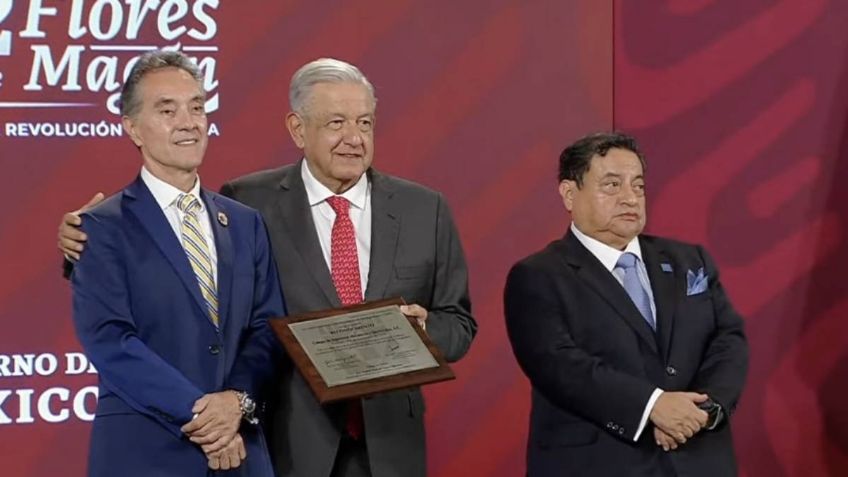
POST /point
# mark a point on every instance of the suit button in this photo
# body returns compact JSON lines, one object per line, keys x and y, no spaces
{"x":621,"y":431}
{"x":214,"y":349}
{"x":671,"y":371}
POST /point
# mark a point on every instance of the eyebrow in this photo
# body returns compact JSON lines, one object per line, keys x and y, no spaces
{"x":169,"y":101}
{"x":615,"y":175}
{"x":163,"y":102}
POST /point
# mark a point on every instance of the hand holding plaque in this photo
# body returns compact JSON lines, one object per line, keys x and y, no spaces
{"x":361,"y":350}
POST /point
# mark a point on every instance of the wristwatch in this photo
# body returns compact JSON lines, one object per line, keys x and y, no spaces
{"x":247,"y":406}
{"x":714,"y":413}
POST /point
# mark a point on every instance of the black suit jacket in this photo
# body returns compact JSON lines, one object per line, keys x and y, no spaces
{"x":415,"y":254}
{"x":593,"y":361}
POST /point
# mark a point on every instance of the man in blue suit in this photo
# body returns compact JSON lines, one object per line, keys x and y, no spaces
{"x":172,"y":298}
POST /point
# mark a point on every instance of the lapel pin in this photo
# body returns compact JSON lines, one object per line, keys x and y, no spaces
{"x":222,"y":219}
{"x":666,"y":267}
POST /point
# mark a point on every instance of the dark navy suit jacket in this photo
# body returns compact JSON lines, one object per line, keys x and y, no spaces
{"x":593,"y":361}
{"x":142,"y":321}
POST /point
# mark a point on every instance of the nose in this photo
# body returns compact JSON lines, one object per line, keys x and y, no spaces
{"x":184,"y":119}
{"x":628,"y":195}
{"x":352,"y":135}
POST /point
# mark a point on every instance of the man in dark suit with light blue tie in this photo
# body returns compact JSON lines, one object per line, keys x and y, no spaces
{"x":634,"y":352}
{"x":172,"y":298}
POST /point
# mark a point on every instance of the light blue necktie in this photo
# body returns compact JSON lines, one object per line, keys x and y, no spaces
{"x":633,"y":286}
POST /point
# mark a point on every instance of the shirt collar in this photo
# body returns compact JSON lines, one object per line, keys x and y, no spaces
{"x":607,"y":255}
{"x":165,"y":194}
{"x":316,"y":192}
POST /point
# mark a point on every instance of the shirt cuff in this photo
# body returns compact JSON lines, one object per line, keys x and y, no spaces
{"x":648,"y":408}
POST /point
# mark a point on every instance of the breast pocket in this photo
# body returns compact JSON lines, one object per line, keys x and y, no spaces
{"x":412,"y":283}
{"x":412,"y":272}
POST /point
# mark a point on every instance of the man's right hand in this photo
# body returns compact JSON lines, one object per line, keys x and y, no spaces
{"x":677,"y":414}
{"x":664,"y":440}
{"x":71,"y":238}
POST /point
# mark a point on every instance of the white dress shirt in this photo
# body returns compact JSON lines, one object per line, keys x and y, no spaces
{"x":166,"y":196}
{"x":323,"y":216}
{"x":608,"y":257}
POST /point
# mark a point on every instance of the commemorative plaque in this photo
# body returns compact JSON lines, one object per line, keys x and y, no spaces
{"x":360,"y":350}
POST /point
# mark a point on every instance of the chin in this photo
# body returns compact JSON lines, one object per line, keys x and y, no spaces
{"x":631,"y":229}
{"x":349,"y":173}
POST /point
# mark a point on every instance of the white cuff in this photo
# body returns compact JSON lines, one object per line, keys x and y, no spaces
{"x":648,"y":408}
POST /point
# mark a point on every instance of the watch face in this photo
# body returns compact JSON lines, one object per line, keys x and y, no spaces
{"x":249,"y":405}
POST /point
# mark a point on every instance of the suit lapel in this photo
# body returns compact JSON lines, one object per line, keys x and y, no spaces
{"x":144,"y":207}
{"x":662,"y":285}
{"x":224,"y":251}
{"x":293,"y":207}
{"x":385,"y":228}
{"x":592,"y":272}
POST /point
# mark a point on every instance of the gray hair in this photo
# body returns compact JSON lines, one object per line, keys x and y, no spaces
{"x":148,"y":63}
{"x":323,"y":70}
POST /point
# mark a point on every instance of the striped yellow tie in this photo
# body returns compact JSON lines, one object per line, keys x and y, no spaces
{"x":198,"y":252}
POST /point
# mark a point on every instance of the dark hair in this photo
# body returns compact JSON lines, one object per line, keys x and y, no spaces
{"x":575,"y":159}
{"x":148,"y":63}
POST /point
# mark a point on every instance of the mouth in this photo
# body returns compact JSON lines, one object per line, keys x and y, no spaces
{"x":187,"y":142}
{"x":629,"y":216}
{"x":349,"y":155}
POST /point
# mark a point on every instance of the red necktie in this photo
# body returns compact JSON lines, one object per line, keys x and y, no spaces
{"x":344,"y":261}
{"x":344,"y":267}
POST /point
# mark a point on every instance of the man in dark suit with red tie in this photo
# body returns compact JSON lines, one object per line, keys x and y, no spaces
{"x":634,"y":352}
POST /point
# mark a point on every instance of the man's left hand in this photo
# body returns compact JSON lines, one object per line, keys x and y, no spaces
{"x":230,"y":457}
{"x":218,"y":416}
{"x":415,"y":311}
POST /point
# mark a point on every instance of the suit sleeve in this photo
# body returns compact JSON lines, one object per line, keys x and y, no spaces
{"x":449,"y":321}
{"x":107,"y":331}
{"x":724,"y":366}
{"x":254,"y":365}
{"x":566,"y":375}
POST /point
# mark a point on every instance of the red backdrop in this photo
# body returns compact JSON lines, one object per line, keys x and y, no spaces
{"x":739,"y":107}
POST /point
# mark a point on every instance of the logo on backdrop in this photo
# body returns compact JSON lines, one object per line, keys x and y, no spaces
{"x":77,"y":53}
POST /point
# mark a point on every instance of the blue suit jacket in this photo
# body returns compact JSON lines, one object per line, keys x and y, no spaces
{"x":142,"y":321}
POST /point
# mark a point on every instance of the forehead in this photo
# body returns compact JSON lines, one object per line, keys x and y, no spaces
{"x":169,"y":83}
{"x":329,"y":98}
{"x":617,"y":161}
